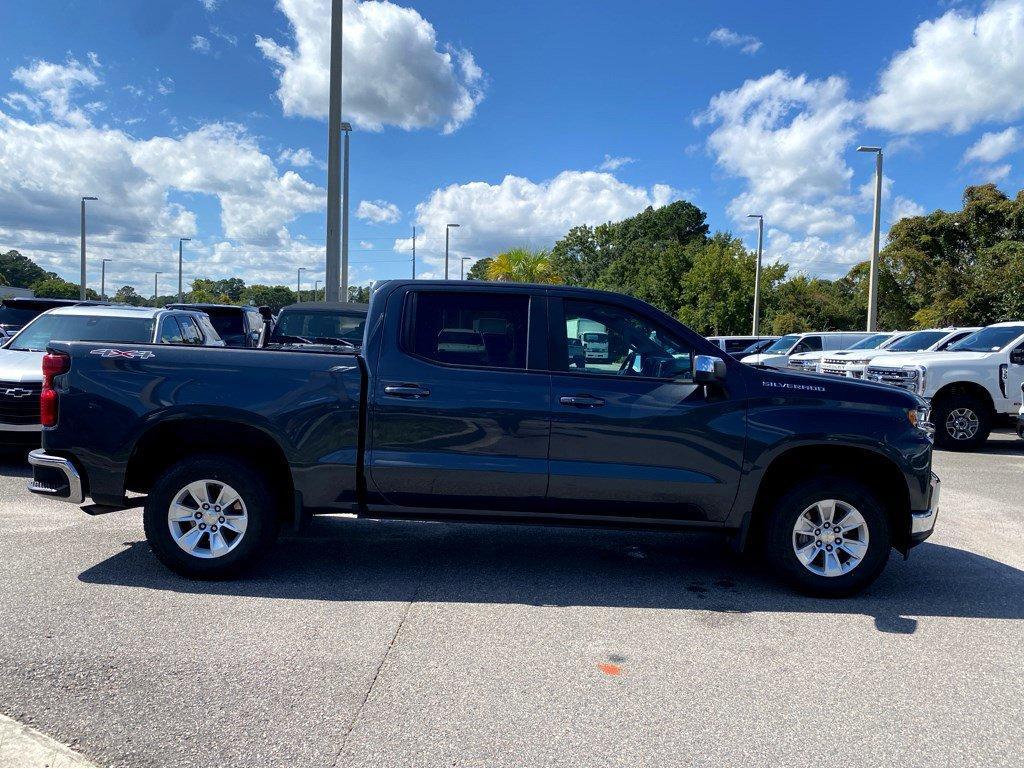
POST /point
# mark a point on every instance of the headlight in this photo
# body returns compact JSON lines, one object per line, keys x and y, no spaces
{"x":920,"y":418}
{"x":918,"y":376}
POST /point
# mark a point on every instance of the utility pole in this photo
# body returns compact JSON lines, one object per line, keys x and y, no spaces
{"x":875,"y":233}
{"x":462,"y":267}
{"x":447,"y":231}
{"x":156,"y":288}
{"x":316,"y":288}
{"x":81,"y":286}
{"x":298,"y":284}
{"x":347,"y":128}
{"x":180,"y":241}
{"x":333,"y":277}
{"x":414,"y":253}
{"x":103,"y":278}
{"x":757,"y":273}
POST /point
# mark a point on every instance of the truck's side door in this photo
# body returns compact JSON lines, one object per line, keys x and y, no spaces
{"x":460,"y":413}
{"x":633,"y":436}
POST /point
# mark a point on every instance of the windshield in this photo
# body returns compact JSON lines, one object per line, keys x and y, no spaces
{"x":872,"y":342}
{"x":322,"y":327}
{"x":17,"y":316}
{"x":919,"y":340}
{"x":784,"y":344}
{"x":988,"y":339}
{"x":82,"y":328}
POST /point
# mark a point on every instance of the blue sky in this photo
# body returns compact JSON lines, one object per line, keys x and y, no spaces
{"x":204,"y":118}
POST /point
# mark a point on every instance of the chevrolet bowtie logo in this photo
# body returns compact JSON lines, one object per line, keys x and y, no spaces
{"x":17,"y":392}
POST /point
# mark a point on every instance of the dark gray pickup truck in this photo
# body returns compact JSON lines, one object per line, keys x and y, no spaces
{"x":463,"y":402}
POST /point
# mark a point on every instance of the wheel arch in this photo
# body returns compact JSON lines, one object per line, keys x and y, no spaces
{"x":878,"y":472}
{"x":966,"y":388}
{"x":167,"y":442}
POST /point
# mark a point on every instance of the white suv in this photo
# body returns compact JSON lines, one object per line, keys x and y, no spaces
{"x":779,"y":354}
{"x":968,"y":384}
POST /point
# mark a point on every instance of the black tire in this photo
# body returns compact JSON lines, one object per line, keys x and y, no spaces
{"x":261,"y":530}
{"x":783,"y":518}
{"x":941,"y":412}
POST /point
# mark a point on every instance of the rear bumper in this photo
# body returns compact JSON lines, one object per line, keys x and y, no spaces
{"x":922,"y":522}
{"x":54,"y":476}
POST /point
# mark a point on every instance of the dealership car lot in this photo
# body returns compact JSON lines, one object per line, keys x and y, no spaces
{"x":370,"y":642}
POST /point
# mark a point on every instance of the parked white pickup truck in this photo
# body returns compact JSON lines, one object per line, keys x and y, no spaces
{"x":928,"y":340}
{"x":969,"y":385}
{"x":834,"y":361}
{"x":779,"y":355}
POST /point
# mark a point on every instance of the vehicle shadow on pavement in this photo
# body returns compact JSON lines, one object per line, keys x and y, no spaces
{"x":363,"y":560}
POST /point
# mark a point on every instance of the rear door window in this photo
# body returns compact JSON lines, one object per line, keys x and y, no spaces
{"x":170,"y":331}
{"x":469,"y":329}
{"x":189,"y":330}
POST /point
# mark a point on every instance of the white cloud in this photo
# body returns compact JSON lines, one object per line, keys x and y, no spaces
{"x":210,"y":5}
{"x":519,"y":211}
{"x":961,"y":70}
{"x":200,"y":44}
{"x":903,"y":208}
{"x":300,"y":158}
{"x":992,"y":147}
{"x":729,"y":39}
{"x":614,"y":164}
{"x":787,"y":138}
{"x":395,"y":72}
{"x":378,"y":212}
{"x":53,"y":84}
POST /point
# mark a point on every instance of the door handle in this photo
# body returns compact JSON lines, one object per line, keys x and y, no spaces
{"x":581,"y":401}
{"x":406,"y":391}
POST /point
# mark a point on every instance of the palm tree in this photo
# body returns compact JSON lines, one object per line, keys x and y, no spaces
{"x":521,"y":265}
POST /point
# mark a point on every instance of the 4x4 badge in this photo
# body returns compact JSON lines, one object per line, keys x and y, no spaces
{"x":132,"y":354}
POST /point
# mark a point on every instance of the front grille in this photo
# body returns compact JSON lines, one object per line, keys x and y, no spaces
{"x":836,"y":366}
{"x":19,"y":403}
{"x":892,"y":376}
{"x":802,"y":365}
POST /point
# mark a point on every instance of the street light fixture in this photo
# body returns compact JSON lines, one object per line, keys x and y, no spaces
{"x":81,"y":287}
{"x":298,"y":283}
{"x":156,"y":292}
{"x":103,"y":278}
{"x":875,"y":233}
{"x":462,"y":267}
{"x":180,"y":241}
{"x":447,"y":231}
{"x":757,"y":272}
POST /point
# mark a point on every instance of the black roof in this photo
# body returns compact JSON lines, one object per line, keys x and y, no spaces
{"x":208,"y":306}
{"x":327,"y":306}
{"x":48,"y":302}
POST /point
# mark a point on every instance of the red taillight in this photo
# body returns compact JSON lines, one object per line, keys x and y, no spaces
{"x":53,"y":364}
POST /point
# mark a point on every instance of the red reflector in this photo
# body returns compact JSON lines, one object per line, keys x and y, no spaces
{"x":48,"y":408}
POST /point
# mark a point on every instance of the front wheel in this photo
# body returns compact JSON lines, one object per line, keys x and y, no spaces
{"x":962,"y":422}
{"x":828,"y":537}
{"x":209,"y":517}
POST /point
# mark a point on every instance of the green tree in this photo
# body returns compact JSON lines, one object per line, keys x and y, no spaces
{"x":128,"y":295}
{"x":479,"y":269}
{"x":274,"y":297}
{"x":22,"y":271}
{"x":521,"y":265}
{"x":58,"y":288}
{"x":3,"y":280}
{"x":359,"y":294}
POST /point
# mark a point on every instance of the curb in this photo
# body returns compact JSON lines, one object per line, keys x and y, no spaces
{"x":23,"y":746}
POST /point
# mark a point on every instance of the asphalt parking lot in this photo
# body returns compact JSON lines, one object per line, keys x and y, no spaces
{"x":401,"y":643}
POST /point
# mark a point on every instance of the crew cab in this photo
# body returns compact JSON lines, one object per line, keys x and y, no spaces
{"x":928,"y":340}
{"x":238,"y":326}
{"x":968,"y":385}
{"x":21,"y":375}
{"x":826,"y":475}
{"x":779,"y":354}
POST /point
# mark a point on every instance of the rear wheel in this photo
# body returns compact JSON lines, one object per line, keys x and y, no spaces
{"x":209,"y":517}
{"x":962,"y":422}
{"x":828,"y":537}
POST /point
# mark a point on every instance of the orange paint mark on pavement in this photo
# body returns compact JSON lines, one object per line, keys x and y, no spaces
{"x":609,"y":669}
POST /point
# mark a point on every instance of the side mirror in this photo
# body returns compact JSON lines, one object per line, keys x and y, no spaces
{"x":707,"y":369}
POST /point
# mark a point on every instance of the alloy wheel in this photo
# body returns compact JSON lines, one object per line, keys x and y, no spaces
{"x":830,"y":538}
{"x":207,"y":518}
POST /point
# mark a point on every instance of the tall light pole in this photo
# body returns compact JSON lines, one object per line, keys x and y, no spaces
{"x":447,"y":231}
{"x":180,"y":241}
{"x":156,"y":291}
{"x":875,"y":233}
{"x":333,"y":277}
{"x":757,"y":273}
{"x":462,"y":267}
{"x":81,"y":287}
{"x":298,"y":283}
{"x":316,"y":288}
{"x":414,"y":253}
{"x":347,"y":128}
{"x":103,"y":278}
